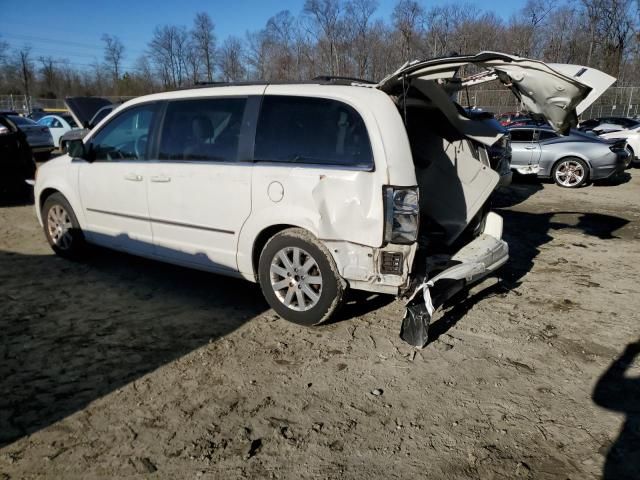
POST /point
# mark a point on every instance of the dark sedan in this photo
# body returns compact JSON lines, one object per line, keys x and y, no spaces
{"x":16,"y":160}
{"x":39,"y":137}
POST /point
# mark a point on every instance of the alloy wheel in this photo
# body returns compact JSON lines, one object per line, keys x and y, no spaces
{"x":570,"y":173}
{"x":59,"y":227}
{"x":296,"y":279}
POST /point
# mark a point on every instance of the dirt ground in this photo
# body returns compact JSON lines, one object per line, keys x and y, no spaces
{"x":121,"y":367}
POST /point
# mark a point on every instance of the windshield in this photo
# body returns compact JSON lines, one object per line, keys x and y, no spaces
{"x":18,"y":120}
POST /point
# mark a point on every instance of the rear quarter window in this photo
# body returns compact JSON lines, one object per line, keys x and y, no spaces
{"x":311,"y":130}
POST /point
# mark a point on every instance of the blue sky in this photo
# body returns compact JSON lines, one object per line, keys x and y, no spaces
{"x":72,"y":30}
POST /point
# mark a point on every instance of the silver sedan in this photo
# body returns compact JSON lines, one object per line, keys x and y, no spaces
{"x":570,"y":160}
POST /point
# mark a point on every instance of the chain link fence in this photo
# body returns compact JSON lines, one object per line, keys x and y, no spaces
{"x":616,"y":101}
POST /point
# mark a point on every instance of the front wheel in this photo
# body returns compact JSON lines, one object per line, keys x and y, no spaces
{"x":61,"y":227}
{"x":299,"y":278}
{"x":570,"y":173}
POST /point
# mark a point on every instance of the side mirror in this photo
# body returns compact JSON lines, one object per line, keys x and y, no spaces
{"x":77,"y":149}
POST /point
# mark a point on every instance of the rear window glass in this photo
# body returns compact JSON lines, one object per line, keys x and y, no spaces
{"x":18,"y":120}
{"x":522,"y":135}
{"x":203,"y":129}
{"x":311,"y":131}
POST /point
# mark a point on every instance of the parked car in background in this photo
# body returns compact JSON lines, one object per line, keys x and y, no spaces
{"x":570,"y":160}
{"x":510,"y":117}
{"x":605,"y":124}
{"x":88,"y":112}
{"x":37,"y":113}
{"x":16,"y":159}
{"x":632,"y":137}
{"x":307,"y":188}
{"x":38,"y":137}
{"x":58,"y":124}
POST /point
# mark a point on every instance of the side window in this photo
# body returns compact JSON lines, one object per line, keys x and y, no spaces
{"x":202,"y":129}
{"x":522,"y":135}
{"x":311,"y":130}
{"x":546,"y":135}
{"x":55,"y":123}
{"x":125,"y":136}
{"x":45,"y":122}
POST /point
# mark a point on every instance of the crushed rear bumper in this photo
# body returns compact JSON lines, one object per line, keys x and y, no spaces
{"x":476,"y":260}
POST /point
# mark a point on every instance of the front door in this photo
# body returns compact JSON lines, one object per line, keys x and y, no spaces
{"x":113,"y":187}
{"x":199,"y":193}
{"x":525,"y":150}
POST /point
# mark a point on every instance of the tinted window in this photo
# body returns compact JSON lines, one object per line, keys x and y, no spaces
{"x":311,"y":130}
{"x":203,"y":129}
{"x":45,"y":121}
{"x":125,"y":136}
{"x":546,"y":135}
{"x":18,"y":120}
{"x":55,"y":123}
{"x":522,"y":135}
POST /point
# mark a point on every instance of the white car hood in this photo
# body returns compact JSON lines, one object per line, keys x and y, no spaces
{"x":556,"y":92}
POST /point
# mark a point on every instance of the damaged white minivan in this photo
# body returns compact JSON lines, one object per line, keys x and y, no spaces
{"x":311,"y":188}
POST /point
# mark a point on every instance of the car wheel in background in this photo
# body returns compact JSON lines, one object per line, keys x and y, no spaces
{"x":299,"y":278}
{"x":61,"y":227}
{"x":570,"y":172}
{"x":635,"y":161}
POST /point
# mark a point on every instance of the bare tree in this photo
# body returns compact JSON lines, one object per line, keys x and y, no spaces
{"x":23,"y":57}
{"x":231,"y":60}
{"x":325,"y":15}
{"x":408,"y":18}
{"x":113,"y":55}
{"x":358,"y":15}
{"x":205,"y":41}
{"x":168,"y":49}
{"x":48,"y":71}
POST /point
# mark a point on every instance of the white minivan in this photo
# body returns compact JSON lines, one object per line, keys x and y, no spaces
{"x":308,"y":188}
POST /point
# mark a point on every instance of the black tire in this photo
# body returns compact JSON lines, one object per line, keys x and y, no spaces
{"x":330,"y":292}
{"x":578,"y":163}
{"x":71,"y":246}
{"x":635,"y":161}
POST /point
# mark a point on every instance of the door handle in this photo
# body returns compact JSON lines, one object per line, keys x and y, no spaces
{"x":133,"y":177}
{"x":160,"y":179}
{"x":530,"y":147}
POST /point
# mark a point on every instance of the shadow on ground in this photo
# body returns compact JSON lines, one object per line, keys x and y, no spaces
{"x":619,"y":393}
{"x":71,"y":332}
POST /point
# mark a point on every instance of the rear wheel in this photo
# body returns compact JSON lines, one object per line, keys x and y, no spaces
{"x":570,"y":173}
{"x":299,"y":278}
{"x":61,"y":227}
{"x":635,"y":161}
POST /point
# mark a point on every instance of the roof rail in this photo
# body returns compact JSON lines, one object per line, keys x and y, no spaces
{"x":338,"y":79}
{"x":224,"y":84}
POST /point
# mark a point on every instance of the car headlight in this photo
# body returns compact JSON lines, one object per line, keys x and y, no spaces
{"x":402,"y":214}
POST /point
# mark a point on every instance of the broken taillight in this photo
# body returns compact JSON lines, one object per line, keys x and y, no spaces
{"x":402,"y":212}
